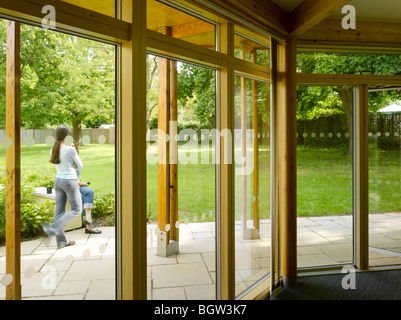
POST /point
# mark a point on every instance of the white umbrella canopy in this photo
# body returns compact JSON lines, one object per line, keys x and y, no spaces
{"x":393,"y":108}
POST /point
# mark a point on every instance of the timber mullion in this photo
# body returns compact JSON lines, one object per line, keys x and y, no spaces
{"x":275,"y":267}
{"x":361,"y":176}
{"x":13,"y":162}
{"x":226,"y":250}
{"x":133,"y":155}
{"x":287,"y":149}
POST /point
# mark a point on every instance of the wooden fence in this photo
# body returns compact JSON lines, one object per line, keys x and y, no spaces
{"x":332,"y":132}
{"x":91,"y":135}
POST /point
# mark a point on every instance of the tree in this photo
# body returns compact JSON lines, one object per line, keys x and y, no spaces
{"x":197,"y":85}
{"x":342,"y":63}
{"x":316,"y":101}
{"x":64,"y":79}
{"x":88,"y":85}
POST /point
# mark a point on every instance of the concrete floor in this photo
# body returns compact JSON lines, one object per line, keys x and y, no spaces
{"x":86,"y":271}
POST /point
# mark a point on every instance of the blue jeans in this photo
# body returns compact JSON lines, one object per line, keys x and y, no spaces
{"x":87,"y":196}
{"x":65,"y":189}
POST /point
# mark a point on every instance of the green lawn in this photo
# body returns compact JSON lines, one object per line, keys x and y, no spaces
{"x":98,"y":160}
{"x":324,"y":180}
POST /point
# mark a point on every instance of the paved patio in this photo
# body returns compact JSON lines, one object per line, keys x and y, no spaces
{"x":86,"y":271}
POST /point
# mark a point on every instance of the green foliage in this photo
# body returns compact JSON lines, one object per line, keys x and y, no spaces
{"x":315,"y":101}
{"x":63,"y":79}
{"x":104,"y":205}
{"x":37,"y":178}
{"x":32,"y":214}
{"x":197,"y":92}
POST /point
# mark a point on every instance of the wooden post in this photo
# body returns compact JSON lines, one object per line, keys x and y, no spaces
{"x":163,"y":171}
{"x":275,"y":268}
{"x":132,"y":135}
{"x":167,"y":172}
{"x":226,"y":249}
{"x":361,"y":178}
{"x":13,"y":162}
{"x":287,"y":161}
{"x":174,"y":232}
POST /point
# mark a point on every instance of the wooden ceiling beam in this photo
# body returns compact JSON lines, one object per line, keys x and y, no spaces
{"x":347,"y":79}
{"x":263,"y":13}
{"x":69,"y":18}
{"x":191,"y":29}
{"x":309,"y":13}
{"x":368,"y":33}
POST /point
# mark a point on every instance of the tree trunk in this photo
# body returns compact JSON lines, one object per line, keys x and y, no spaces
{"x":76,"y":131}
{"x":346,"y":95}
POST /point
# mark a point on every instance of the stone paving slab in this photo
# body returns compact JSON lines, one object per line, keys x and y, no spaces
{"x":87,"y":270}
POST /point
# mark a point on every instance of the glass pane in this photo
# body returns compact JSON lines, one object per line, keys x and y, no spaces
{"x":252,"y":182}
{"x":251,"y":47}
{"x":69,"y":81}
{"x":106,"y":7}
{"x":181,"y":190}
{"x":384,"y":178}
{"x":324,"y":176}
{"x":173,"y":21}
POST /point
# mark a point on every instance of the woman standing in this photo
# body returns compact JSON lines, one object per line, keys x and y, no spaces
{"x":65,"y":186}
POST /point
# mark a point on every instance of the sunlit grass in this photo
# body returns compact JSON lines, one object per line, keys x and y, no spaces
{"x":324,"y":180}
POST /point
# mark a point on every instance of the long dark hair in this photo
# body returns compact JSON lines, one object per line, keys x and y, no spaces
{"x":61,"y":132}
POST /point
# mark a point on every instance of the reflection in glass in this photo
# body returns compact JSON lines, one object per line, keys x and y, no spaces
{"x":252,"y":181}
{"x":251,"y":46}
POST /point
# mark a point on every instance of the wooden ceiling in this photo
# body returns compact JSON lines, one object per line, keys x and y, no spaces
{"x":106,"y":7}
{"x":317,"y":24}
{"x":312,"y":22}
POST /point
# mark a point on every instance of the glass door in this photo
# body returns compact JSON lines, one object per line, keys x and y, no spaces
{"x":384,"y":176}
{"x":181,"y":180}
{"x":252,"y":181}
{"x":324,"y":176}
{"x":67,"y":80}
